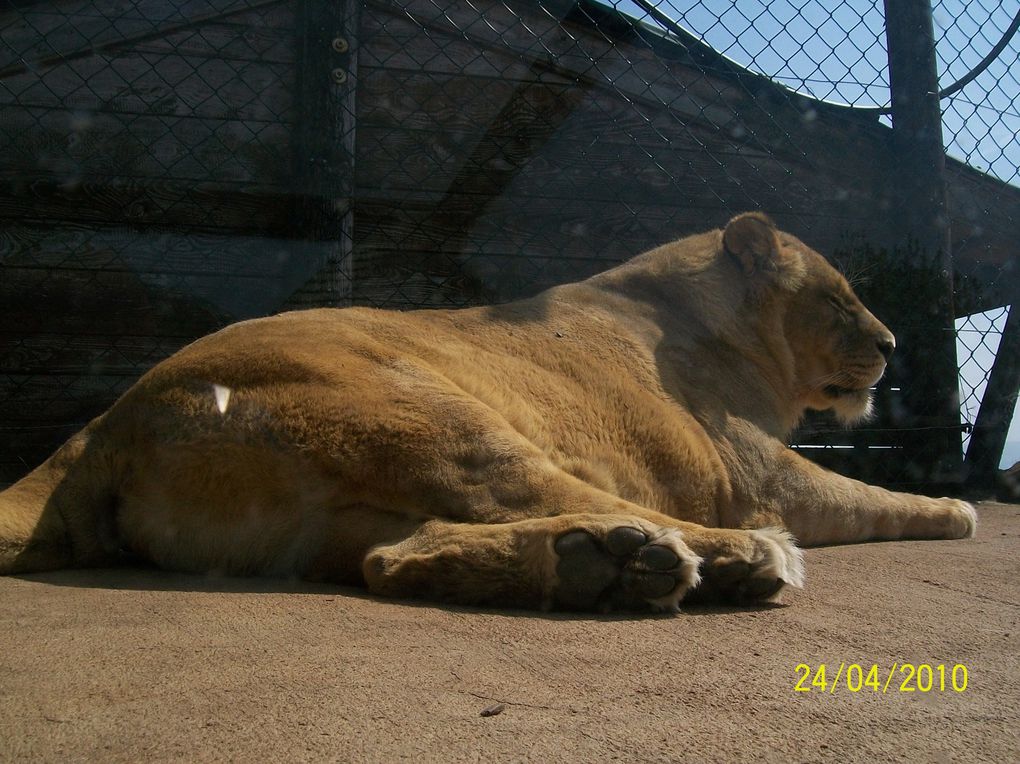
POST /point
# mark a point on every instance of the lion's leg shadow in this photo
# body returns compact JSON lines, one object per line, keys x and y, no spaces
{"x":588,"y":562}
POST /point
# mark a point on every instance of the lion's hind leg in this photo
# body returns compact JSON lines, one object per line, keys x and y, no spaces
{"x":590,"y":562}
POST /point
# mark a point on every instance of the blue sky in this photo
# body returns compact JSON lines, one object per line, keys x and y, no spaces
{"x":836,"y":51}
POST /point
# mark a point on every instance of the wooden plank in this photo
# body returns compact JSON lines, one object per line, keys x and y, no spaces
{"x":460,"y":207}
{"x":412,"y":257}
{"x":412,"y":100}
{"x":42,"y":144}
{"x":94,"y":302}
{"x":413,"y":279}
{"x":568,"y":228}
{"x":38,"y":34}
{"x":265,"y":35}
{"x":156,"y":83}
{"x":54,"y":398}
{"x":983,"y":222}
{"x":564,"y":227}
{"x":112,"y":355}
{"x":657,"y":155}
{"x":494,"y":41}
{"x":85,"y":247}
{"x":453,"y":102}
{"x":678,"y":173}
{"x":197,"y":206}
{"x":527,"y":31}
{"x":38,"y":413}
{"x":458,"y":102}
{"x":160,"y":304}
{"x":392,"y":41}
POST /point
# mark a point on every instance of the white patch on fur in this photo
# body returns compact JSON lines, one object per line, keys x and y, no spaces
{"x":854,"y":409}
{"x":785,"y":561}
{"x":222,"y":396}
{"x":687,"y":569}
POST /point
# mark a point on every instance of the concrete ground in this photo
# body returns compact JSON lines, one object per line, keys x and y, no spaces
{"x":138,"y":665}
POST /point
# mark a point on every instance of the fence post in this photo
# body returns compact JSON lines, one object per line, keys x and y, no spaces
{"x":926,"y":357}
{"x":997,"y":406}
{"x":323,"y":145}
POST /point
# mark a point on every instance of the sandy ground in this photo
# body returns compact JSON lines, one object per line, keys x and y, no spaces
{"x":133,"y":665}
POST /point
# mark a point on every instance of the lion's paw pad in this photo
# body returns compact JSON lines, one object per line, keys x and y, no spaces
{"x":624,"y":570}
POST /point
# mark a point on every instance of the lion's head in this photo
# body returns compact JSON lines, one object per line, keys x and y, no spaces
{"x":839,"y":349}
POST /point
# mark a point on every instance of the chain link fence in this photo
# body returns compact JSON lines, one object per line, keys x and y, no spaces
{"x":146,"y":181}
{"x":981,"y":125}
{"x":170,"y":168}
{"x":978,"y":338}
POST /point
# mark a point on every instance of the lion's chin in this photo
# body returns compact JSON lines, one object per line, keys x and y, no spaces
{"x":851,"y":406}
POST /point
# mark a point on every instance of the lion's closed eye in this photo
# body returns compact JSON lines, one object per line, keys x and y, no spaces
{"x":839,"y":306}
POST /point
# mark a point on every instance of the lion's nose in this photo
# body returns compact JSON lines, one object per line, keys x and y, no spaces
{"x":886,"y":346}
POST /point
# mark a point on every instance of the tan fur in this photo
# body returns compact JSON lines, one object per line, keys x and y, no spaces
{"x":457,"y":454}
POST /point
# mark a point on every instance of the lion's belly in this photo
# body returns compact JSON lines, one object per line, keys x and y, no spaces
{"x":230,"y":509}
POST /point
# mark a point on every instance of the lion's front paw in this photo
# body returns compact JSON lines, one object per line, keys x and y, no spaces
{"x":961,"y":520}
{"x":752,"y":570}
{"x":943,"y":518}
{"x":623,"y":568}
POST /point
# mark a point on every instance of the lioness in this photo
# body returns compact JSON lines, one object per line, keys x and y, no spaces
{"x":616,"y":443}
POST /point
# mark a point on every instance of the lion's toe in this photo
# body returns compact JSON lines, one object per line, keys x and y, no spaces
{"x":769,"y":561}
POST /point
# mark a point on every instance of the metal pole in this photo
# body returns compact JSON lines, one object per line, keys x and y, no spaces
{"x":324,"y":145}
{"x":997,"y":406}
{"x":927,"y":352}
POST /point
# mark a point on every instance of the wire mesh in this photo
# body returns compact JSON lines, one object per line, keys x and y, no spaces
{"x":981,"y":122}
{"x":831,"y":51}
{"x":142,"y":146}
{"x":160,"y":174}
{"x":978,"y":337}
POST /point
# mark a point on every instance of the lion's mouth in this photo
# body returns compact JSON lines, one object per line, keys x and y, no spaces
{"x":850,"y":404}
{"x":835,"y":391}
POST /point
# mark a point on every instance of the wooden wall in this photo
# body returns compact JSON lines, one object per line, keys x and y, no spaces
{"x":498,"y":158}
{"x":145,"y":178}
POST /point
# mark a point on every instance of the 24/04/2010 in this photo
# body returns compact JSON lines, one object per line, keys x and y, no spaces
{"x":909,"y":677}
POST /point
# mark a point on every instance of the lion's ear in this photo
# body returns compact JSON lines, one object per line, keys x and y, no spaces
{"x":752,"y":239}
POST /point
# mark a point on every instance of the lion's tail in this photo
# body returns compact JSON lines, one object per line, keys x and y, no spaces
{"x":52,"y":518}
